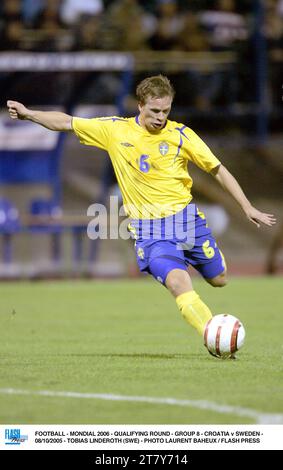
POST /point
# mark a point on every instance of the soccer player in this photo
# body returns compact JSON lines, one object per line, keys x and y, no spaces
{"x":150,"y":154}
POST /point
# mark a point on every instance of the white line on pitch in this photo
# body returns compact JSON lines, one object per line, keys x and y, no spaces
{"x":259,"y":417}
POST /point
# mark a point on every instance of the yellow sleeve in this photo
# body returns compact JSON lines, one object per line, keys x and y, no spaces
{"x":198,"y":152}
{"x":94,"y":131}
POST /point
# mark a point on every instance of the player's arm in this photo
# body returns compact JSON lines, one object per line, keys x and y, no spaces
{"x":53,"y":120}
{"x":230,"y":184}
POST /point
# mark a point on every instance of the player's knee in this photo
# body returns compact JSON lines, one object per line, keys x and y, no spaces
{"x":218,"y":281}
{"x":178,"y":281}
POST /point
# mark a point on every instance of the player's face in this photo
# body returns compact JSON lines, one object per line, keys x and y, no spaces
{"x":154,"y":113}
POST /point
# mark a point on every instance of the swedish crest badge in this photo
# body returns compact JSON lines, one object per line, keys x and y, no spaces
{"x":163,"y":148}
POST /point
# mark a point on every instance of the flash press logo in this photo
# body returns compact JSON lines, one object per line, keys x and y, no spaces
{"x":13,"y":437}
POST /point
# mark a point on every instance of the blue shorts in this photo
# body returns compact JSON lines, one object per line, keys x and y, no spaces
{"x":160,"y":254}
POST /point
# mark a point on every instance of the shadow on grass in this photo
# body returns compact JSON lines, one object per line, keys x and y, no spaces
{"x":132,"y":355}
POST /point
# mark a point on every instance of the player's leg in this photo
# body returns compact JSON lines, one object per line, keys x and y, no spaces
{"x":205,"y":256}
{"x":215,"y":272}
{"x":174,"y":275}
{"x":208,"y":259}
{"x":218,"y":281}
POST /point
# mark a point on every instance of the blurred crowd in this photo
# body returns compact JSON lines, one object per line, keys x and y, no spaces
{"x":133,"y":25}
{"x":152,"y":25}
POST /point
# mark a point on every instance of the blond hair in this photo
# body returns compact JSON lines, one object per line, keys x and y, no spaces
{"x":157,"y":86}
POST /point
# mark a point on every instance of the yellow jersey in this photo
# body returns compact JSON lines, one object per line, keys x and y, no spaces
{"x":151,"y":169}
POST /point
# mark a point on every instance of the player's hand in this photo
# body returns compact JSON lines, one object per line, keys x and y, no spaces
{"x":17,"y":110}
{"x":258,"y":217}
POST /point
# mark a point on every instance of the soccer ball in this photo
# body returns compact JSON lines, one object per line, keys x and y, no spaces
{"x":224,"y":335}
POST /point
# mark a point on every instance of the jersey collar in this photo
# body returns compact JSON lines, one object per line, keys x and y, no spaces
{"x":137,"y":121}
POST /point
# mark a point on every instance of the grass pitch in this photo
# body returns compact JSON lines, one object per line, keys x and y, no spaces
{"x":128,"y":338}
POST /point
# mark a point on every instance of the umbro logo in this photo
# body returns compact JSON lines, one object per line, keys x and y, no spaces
{"x":126,"y":144}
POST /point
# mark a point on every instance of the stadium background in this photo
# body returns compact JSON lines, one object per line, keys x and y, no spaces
{"x":225,"y":61}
